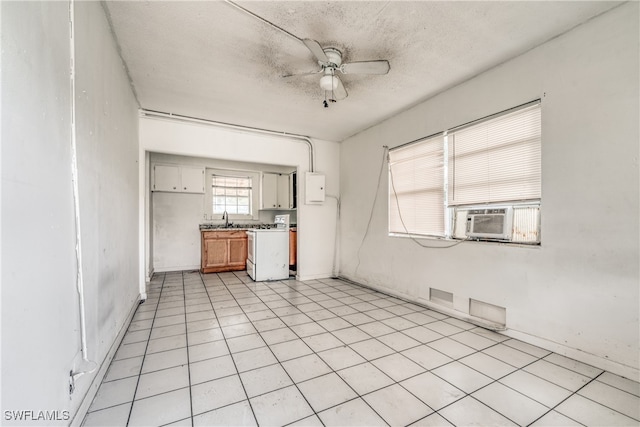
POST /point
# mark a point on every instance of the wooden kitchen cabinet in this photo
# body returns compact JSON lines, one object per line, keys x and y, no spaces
{"x":223,"y":250}
{"x":293,"y":247}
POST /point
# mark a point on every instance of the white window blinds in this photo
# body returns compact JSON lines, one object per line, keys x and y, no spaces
{"x":497,"y":160}
{"x":416,"y":188}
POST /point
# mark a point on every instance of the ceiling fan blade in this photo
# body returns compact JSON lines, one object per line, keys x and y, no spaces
{"x":366,"y":67}
{"x":316,"y":49}
{"x":310,"y":73}
{"x":338,"y":93}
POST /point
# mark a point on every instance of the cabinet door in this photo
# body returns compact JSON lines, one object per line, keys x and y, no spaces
{"x":237,"y":252}
{"x":269,"y":191}
{"x":216,"y":253}
{"x":293,"y":244}
{"x":283,"y":191}
{"x":192,"y":179}
{"x":293,"y":190}
{"x":166,"y":178}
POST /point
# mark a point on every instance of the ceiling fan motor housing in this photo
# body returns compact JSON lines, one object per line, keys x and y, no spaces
{"x":334,"y":56}
{"x":330,"y":61}
{"x":329,"y":81}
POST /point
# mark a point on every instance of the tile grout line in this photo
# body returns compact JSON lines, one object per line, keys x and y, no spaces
{"x":228,"y":349}
{"x":594,"y":379}
{"x":366,"y":360}
{"x":370,"y":337}
{"x":537,"y":358}
{"x":184,"y":300}
{"x":144,"y":356}
{"x":426,"y":370}
{"x":358,"y":395}
{"x":291,"y":302}
{"x":278,"y":362}
{"x":490,"y":383}
{"x":242,"y":291}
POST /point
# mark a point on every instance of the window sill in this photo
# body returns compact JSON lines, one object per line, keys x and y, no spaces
{"x":455,"y":241}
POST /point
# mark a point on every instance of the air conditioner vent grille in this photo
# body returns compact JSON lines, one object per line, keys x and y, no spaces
{"x":526,"y":224}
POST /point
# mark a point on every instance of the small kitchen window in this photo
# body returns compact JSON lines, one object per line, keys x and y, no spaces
{"x":231,"y":191}
{"x":231,"y":194}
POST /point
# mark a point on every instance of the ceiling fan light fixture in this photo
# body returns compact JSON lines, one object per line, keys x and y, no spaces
{"x":329,"y":82}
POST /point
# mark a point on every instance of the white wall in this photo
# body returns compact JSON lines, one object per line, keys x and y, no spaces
{"x":578,"y":293}
{"x":316,"y":223}
{"x":107,"y":138}
{"x":40,"y":327}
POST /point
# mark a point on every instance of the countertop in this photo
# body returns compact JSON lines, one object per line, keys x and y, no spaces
{"x":240,"y":227}
{"x":233,"y":227}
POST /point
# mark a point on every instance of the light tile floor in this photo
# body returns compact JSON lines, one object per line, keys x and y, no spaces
{"x":220,"y":349}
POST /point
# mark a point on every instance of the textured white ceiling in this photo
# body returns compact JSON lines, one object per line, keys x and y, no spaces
{"x":209,"y":60}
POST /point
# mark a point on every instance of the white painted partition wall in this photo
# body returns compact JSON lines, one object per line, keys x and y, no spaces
{"x":316,"y":223}
{"x":41,"y":341}
{"x":578,"y":293}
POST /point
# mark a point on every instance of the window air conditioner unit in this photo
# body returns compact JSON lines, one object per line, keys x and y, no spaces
{"x":494,"y":223}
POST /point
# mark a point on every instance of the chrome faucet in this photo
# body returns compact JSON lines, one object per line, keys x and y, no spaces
{"x":225,"y":216}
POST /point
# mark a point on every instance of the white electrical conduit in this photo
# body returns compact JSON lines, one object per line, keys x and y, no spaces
{"x":260,"y":18}
{"x":88,"y":366}
{"x":298,"y":138}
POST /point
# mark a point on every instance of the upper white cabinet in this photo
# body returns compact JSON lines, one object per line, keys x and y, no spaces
{"x":166,"y":178}
{"x":192,"y":179}
{"x":270,"y":191}
{"x":276,"y":191}
{"x":178,"y":179}
{"x":283,"y":192}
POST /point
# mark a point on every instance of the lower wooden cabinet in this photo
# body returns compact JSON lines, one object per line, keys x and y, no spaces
{"x":223,"y":251}
{"x":293,"y":249}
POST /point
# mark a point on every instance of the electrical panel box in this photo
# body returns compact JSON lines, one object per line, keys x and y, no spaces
{"x":314,"y":188}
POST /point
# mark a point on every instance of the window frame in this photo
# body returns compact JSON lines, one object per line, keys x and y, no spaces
{"x":426,"y":189}
{"x":450,"y":209}
{"x":254,"y":199}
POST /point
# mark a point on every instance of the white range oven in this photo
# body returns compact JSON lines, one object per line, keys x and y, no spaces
{"x":268,"y":251}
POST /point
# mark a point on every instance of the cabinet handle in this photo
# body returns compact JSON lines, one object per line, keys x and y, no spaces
{"x":185,"y":188}
{"x":174,"y":188}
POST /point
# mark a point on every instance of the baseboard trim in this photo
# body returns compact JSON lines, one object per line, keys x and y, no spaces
{"x":431,"y":306}
{"x":630,"y":372}
{"x":173,"y":269}
{"x":149,"y":275}
{"x":81,"y":413}
{"x":302,"y":278}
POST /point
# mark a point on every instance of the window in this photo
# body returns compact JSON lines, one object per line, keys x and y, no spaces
{"x":434,"y":182}
{"x":497,"y":160}
{"x":416,"y":176}
{"x":231,"y":194}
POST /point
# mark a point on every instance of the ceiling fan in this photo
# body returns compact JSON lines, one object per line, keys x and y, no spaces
{"x":330,"y":61}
